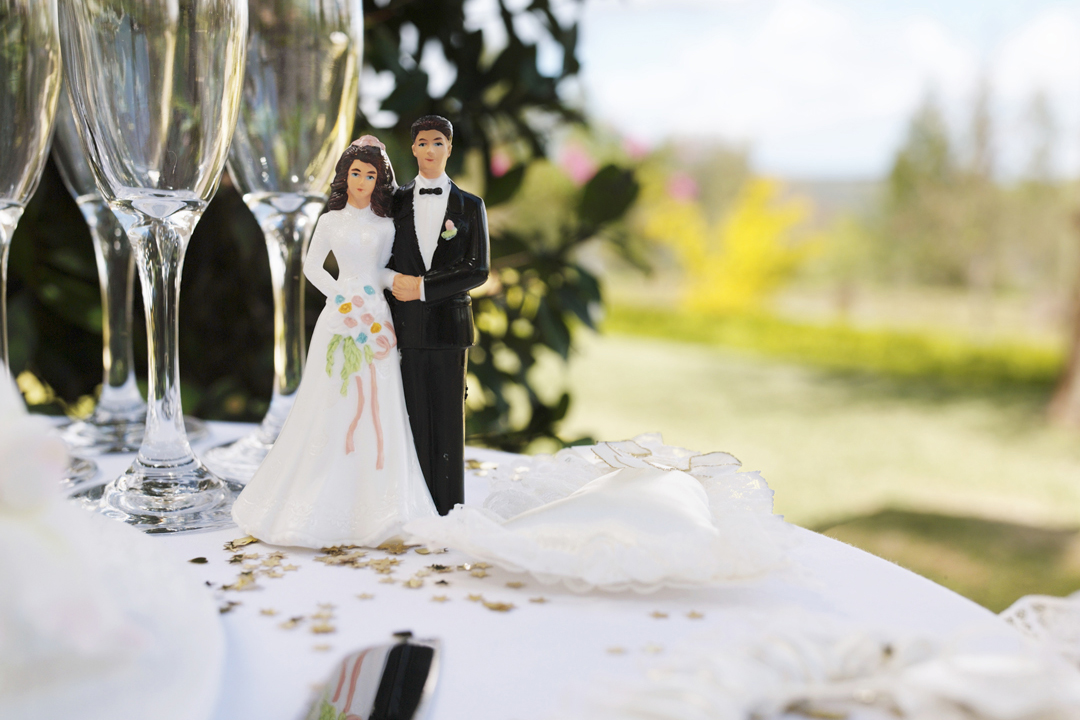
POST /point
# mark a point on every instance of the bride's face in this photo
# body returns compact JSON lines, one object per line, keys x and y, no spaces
{"x":362,"y":178}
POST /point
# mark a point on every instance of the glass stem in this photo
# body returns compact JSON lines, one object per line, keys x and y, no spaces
{"x":116,"y":271}
{"x":287,"y":236}
{"x":9,"y":219}
{"x":159,"y":250}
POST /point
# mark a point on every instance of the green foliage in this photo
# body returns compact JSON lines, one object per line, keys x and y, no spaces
{"x":957,"y":362}
{"x":543,"y":292}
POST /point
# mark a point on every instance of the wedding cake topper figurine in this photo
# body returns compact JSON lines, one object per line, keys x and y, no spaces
{"x":344,"y":469}
{"x":440,"y":254}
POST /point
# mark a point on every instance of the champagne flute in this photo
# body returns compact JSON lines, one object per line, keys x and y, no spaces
{"x":117,"y":422}
{"x":30,"y":69}
{"x":155,"y":91}
{"x":300,"y":97}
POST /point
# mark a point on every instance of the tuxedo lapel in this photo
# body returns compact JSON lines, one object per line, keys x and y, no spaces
{"x":408,"y":241}
{"x":455,"y":213}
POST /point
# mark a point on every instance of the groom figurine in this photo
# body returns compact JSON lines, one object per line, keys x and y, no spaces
{"x":440,"y":253}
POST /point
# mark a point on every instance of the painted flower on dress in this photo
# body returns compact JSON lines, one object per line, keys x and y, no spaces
{"x":358,"y":334}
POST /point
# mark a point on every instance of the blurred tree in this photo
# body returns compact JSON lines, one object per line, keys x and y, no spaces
{"x":921,"y":239}
{"x":506,"y":98}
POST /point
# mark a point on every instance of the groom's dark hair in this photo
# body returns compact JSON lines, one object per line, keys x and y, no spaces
{"x":433,"y":122}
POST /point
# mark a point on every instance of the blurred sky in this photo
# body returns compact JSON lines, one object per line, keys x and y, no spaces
{"x":825,"y":88}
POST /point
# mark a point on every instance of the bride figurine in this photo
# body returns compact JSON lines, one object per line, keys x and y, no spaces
{"x":344,"y":468}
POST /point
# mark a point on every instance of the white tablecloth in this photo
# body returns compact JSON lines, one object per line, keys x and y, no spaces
{"x":532,"y":660}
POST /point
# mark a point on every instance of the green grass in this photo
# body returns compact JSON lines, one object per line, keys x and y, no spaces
{"x":949,"y":359}
{"x":966,"y":484}
{"x":988,"y":561}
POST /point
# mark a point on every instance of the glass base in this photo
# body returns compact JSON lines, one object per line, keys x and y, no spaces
{"x":240,"y":459}
{"x":79,"y":472}
{"x":168,"y":499}
{"x":90,"y":437}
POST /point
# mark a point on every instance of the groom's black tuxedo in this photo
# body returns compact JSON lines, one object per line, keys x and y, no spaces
{"x":434,"y":335}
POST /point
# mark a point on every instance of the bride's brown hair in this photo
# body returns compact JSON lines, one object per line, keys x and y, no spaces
{"x":383,"y":194}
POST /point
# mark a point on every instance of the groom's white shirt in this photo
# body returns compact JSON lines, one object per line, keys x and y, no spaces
{"x":428,"y":213}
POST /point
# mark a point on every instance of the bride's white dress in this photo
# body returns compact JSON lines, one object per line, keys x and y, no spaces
{"x":344,"y":467}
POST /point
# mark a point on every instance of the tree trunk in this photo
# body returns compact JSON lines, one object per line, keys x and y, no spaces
{"x":1064,"y":406}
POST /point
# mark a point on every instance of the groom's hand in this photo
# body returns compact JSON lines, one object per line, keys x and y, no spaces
{"x":406,"y":287}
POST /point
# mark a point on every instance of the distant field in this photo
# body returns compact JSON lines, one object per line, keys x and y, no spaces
{"x":963,"y":482}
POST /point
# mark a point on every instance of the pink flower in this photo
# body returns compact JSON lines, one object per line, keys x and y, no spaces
{"x":682,"y":187}
{"x":577,"y":163}
{"x":500,"y":163}
{"x":636,"y":149}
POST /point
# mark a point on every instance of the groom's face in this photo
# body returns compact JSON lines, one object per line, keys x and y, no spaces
{"x":431,"y":149}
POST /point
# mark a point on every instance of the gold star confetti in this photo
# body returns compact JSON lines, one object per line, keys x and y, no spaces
{"x":291,"y":622}
{"x":321,"y":648}
{"x":270,"y":612}
{"x":322,"y":615}
{"x":338,"y":549}
{"x":234,"y":545}
{"x":272,"y":562}
{"x":616,"y":650}
{"x":658,"y":615}
{"x":694,"y":615}
{"x":198,"y":560}
{"x":242,"y":557}
{"x":475,"y":598}
{"x":429,"y":551}
{"x":440,"y":599}
{"x":539,"y":600}
{"x":481,"y":565}
{"x":244,"y":581}
{"x":290,"y":568}
{"x":323,"y":628}
{"x":273,"y":574}
{"x":327,"y":606}
{"x":423,"y":572}
{"x":466,"y":567}
{"x":440,"y":568}
{"x":653,"y":649}
{"x":227,"y":607}
{"x":499,"y":606}
{"x":384,"y":566}
{"x":515,"y":585}
{"x":441,"y":582}
{"x":365,"y":596}
{"x":479,"y":572}
{"x":278,"y":554}
{"x":414,"y":583}
{"x":387,"y":580}
{"x":348,"y":559}
{"x":395,"y":547}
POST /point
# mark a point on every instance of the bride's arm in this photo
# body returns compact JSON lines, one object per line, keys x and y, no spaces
{"x":317,"y":251}
{"x":386,"y":249}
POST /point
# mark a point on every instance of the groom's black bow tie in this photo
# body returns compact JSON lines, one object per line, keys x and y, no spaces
{"x":431,"y":191}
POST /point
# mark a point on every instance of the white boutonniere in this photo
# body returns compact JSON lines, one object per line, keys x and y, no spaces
{"x":450,"y":231}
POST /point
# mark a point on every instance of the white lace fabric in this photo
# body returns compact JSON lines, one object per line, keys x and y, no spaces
{"x":634,"y":515}
{"x":810,"y":665}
